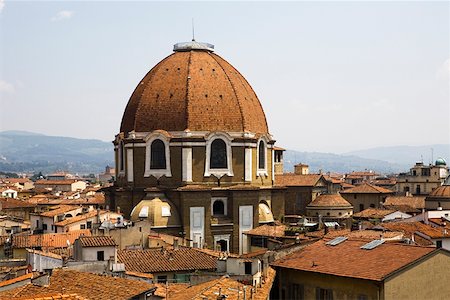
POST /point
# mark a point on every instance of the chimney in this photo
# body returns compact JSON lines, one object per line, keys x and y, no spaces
{"x":301,"y":169}
{"x":175,"y":243}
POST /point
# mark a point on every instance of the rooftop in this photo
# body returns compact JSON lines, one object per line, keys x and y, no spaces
{"x":373,"y":213}
{"x":347,"y":259}
{"x":226,"y":286}
{"x":367,"y":188}
{"x":10,"y":203}
{"x":61,"y":209}
{"x":83,"y":284}
{"x":417,"y":202}
{"x":160,"y":260}
{"x":291,"y":179}
{"x":96,"y":241}
{"x":46,"y":240}
{"x":329,"y":200}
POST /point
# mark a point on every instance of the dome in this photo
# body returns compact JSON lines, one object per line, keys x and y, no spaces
{"x":440,"y":162}
{"x":197,"y":90}
{"x":265,"y":214}
{"x":329,"y":200}
{"x":160,"y":213}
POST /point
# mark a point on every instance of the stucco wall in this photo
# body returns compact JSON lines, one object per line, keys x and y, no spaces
{"x":365,"y":199}
{"x":428,"y":279}
{"x":342,"y":287}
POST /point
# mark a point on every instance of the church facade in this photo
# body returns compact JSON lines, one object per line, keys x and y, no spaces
{"x":194,"y":155}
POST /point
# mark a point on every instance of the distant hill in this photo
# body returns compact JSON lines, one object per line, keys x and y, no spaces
{"x":329,"y":162}
{"x":22,"y":151}
{"x":405,"y":155}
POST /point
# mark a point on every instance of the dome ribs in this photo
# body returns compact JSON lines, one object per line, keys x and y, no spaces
{"x":251,"y":107}
{"x":188,"y":83}
{"x":234,"y":90}
{"x":195,"y":90}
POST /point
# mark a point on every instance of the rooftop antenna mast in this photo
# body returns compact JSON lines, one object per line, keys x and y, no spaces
{"x":193,"y":31}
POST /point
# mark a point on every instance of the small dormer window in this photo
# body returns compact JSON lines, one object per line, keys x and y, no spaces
{"x":158,"y":155}
{"x":218,"y":159}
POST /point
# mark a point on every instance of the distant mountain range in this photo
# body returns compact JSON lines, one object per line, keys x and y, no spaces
{"x":22,"y":151}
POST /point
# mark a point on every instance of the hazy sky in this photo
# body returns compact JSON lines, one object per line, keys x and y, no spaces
{"x":331,"y":76}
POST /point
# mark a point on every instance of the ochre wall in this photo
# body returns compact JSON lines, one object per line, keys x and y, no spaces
{"x":343,"y":287}
{"x":429,"y":279}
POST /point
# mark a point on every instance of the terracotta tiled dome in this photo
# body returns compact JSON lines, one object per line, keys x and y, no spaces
{"x":194,"y":89}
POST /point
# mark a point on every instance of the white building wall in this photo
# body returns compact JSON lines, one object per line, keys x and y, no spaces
{"x":40,"y":262}
{"x":90,"y":253}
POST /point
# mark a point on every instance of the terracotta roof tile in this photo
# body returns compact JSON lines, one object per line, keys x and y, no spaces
{"x":441,"y":192}
{"x":61,"y":209}
{"x":268,"y":230}
{"x":349,"y":260}
{"x":86,"y":285}
{"x":329,"y":200}
{"x":46,"y":240}
{"x":233,"y":289}
{"x":15,"y":280}
{"x":414,"y":202}
{"x":10,"y":203}
{"x":195,"y":90}
{"x":55,"y":182}
{"x":373,"y":213}
{"x":367,"y":188}
{"x":159,"y":260}
{"x":417,"y":227}
{"x":75,"y":219}
{"x":96,"y":241}
{"x":291,"y":179}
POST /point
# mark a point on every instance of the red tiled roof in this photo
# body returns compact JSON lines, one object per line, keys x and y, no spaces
{"x":15,"y":280}
{"x":347,"y":259}
{"x":367,"y":188}
{"x":195,"y":90}
{"x":84,"y":284}
{"x":373,"y":213}
{"x":10,"y":203}
{"x":82,"y":217}
{"x":329,"y":200}
{"x":46,"y":240}
{"x":61,"y":209}
{"x":414,"y":202}
{"x":441,"y":192}
{"x":227,"y":286}
{"x":157,"y":260}
{"x":96,"y":241}
{"x":291,"y":179}
{"x":414,"y":227}
{"x":55,"y":182}
{"x":268,"y":230}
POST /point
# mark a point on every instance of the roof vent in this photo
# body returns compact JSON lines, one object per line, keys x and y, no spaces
{"x":373,"y":244}
{"x":193,"y":45}
{"x":336,"y":241}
